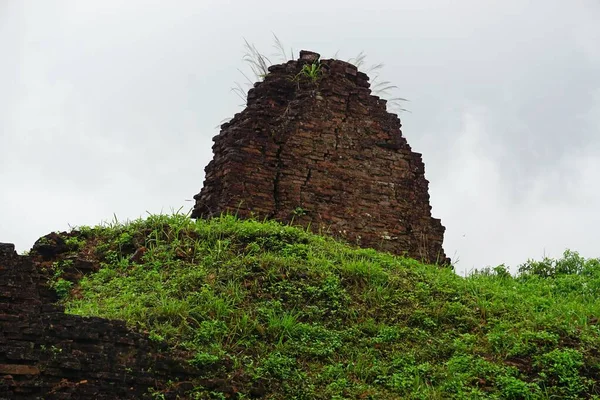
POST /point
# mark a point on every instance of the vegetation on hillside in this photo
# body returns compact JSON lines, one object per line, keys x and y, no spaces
{"x":259,"y":304}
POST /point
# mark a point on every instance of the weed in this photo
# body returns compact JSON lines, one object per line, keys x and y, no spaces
{"x":310,"y":71}
{"x":299,"y":211}
{"x":202,"y":359}
{"x":559,"y":372}
{"x":62,"y":288}
{"x":259,"y":65}
{"x":75,"y":243}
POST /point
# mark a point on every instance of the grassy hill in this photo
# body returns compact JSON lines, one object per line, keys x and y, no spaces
{"x":276,"y":312}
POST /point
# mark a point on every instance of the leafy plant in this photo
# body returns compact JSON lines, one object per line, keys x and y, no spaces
{"x":62,"y":287}
{"x":75,"y":243}
{"x":202,"y":359}
{"x":560,"y":373}
{"x":310,"y":71}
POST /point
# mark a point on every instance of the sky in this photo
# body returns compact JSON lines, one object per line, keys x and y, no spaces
{"x":108,"y":108}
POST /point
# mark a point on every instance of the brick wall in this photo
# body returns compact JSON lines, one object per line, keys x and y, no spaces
{"x":324,"y":154}
{"x":47,"y":354}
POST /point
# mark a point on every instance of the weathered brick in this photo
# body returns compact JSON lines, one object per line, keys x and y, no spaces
{"x":324,"y":154}
{"x":18,"y":369}
{"x":47,"y":354}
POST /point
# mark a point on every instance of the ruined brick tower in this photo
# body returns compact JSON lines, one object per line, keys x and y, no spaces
{"x":323,"y":152}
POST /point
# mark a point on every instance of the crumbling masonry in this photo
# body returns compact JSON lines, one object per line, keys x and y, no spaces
{"x":47,"y":354}
{"x":323,"y":153}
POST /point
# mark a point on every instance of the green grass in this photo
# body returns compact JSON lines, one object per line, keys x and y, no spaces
{"x":306,"y":317}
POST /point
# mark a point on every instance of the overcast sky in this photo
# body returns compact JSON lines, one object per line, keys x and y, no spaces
{"x":110,"y":106}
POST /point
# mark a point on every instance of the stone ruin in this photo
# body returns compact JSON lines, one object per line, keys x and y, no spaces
{"x":47,"y":354}
{"x":323,"y":152}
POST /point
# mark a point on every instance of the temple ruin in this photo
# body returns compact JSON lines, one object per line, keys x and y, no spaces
{"x":315,"y":147}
